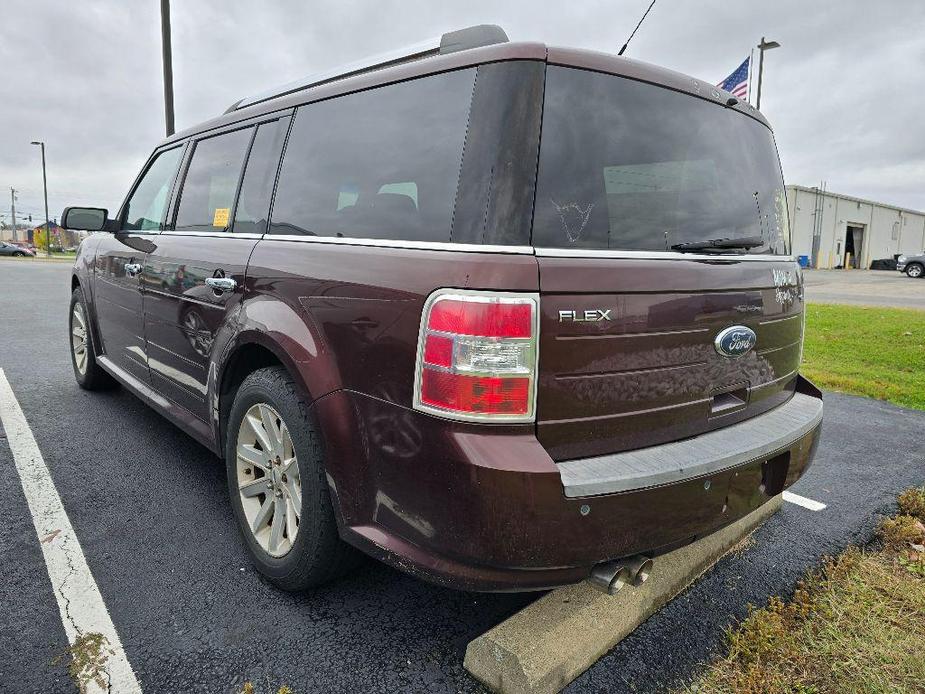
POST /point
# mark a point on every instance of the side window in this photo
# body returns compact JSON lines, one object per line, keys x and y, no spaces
{"x":380,"y":164}
{"x":253,"y":206}
{"x":146,"y":208}
{"x":211,"y":182}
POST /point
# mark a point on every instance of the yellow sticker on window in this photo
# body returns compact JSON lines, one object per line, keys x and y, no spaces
{"x":220,"y":219}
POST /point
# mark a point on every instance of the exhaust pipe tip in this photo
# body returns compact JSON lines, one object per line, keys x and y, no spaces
{"x":610,"y":576}
{"x":640,"y":568}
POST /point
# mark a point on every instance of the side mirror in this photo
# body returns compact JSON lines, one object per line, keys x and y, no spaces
{"x":84,"y":218}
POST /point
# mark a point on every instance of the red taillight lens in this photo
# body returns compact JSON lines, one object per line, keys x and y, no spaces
{"x":476,"y":394}
{"x":477,"y":357}
{"x":482,"y":319}
{"x":438,"y":350}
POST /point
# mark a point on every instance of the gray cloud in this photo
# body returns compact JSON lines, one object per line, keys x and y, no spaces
{"x":842,"y":92}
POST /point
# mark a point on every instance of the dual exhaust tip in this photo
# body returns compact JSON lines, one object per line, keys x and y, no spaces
{"x":610,"y":576}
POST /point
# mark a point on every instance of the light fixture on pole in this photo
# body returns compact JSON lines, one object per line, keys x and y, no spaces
{"x":45,"y":186}
{"x":762,"y":47}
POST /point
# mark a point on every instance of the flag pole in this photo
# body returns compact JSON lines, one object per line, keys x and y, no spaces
{"x":751,"y":63}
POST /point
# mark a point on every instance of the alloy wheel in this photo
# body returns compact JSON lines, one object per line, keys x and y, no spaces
{"x":915,"y":271}
{"x":79,"y":337}
{"x":268,"y":479}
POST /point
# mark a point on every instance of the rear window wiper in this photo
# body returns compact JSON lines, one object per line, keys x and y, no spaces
{"x":744,"y":242}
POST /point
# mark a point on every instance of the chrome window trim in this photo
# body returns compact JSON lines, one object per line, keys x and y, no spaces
{"x":417,"y":245}
{"x":479,"y":295}
{"x":217,"y":234}
{"x":657,"y":255}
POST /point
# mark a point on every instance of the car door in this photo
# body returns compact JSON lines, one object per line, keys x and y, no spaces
{"x":120,"y":257}
{"x":194,"y":278}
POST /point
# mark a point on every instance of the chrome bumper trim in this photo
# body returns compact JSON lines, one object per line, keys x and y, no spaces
{"x":694,"y":457}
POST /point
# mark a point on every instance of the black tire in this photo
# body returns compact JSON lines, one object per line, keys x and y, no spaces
{"x":317,"y":555}
{"x":915,"y":270}
{"x":92,"y":377}
{"x":19,"y":254}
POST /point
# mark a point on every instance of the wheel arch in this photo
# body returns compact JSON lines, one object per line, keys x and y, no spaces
{"x":251,"y":351}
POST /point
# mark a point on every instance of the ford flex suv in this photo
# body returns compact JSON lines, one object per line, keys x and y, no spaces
{"x":500,"y":314}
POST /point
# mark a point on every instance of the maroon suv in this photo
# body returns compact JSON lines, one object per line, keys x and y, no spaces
{"x":500,"y":314}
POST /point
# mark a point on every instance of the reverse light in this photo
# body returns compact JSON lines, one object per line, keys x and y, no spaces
{"x":477,"y":354}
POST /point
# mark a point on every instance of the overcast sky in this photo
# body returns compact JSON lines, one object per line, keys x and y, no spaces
{"x":844,"y":92}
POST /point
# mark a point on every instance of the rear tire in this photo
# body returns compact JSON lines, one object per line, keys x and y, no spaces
{"x":89,"y":374}
{"x":914,"y":270}
{"x":307,"y":550}
{"x":19,"y":255}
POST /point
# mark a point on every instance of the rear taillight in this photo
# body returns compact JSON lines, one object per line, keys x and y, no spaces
{"x":477,"y":356}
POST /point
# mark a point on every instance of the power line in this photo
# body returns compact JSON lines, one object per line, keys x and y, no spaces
{"x":637,"y":28}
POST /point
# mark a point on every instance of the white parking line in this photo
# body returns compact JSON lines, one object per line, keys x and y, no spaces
{"x":803,"y":501}
{"x":82,"y":609}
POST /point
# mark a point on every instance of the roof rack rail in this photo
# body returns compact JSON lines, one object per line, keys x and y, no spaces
{"x":450,"y":42}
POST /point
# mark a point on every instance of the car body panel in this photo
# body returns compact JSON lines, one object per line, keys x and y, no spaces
{"x":119,"y":301}
{"x":183,"y":316}
{"x":650,"y":373}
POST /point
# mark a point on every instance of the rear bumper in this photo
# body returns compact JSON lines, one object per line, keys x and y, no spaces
{"x":699,"y":456}
{"x":485,"y":508}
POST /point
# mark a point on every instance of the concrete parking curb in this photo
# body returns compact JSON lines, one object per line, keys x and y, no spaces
{"x":549,"y":643}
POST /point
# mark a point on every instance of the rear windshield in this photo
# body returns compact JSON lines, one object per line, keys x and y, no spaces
{"x":630,"y":166}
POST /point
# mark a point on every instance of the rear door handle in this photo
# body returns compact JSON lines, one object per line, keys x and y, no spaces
{"x":222,"y":284}
{"x":132,"y":269}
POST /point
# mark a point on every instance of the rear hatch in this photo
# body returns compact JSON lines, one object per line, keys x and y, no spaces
{"x":643,"y":194}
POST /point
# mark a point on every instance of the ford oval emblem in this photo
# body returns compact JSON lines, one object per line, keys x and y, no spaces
{"x":735,"y":341}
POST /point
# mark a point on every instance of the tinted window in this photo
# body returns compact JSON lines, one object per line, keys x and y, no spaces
{"x":211,"y":182}
{"x":148,"y":204}
{"x":627,"y":165}
{"x":253,"y":206}
{"x":377,"y":164}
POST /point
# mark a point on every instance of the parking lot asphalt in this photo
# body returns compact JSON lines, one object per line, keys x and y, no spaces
{"x":865,"y":288}
{"x":151,"y":511}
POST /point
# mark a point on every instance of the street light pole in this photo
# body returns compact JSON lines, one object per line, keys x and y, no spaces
{"x":45,"y":186}
{"x":13,"y":210}
{"x":168,"y":65}
{"x":762,"y":47}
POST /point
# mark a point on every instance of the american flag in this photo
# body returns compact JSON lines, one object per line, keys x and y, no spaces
{"x":737,"y":82}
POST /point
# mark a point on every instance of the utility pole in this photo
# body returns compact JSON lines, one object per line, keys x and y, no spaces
{"x":13,"y":210}
{"x":45,"y":186}
{"x":168,"y":65}
{"x":762,"y":47}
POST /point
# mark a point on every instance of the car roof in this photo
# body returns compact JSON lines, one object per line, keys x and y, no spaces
{"x":510,"y":51}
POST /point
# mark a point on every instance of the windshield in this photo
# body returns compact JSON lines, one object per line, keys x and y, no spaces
{"x":631,"y":166}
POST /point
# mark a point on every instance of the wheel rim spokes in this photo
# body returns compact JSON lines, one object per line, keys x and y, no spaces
{"x":79,"y":338}
{"x":268,"y":479}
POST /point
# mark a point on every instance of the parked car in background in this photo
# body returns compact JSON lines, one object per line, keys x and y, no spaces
{"x":412,"y":326}
{"x":26,"y":245}
{"x":7,"y":248}
{"x":912,"y":265}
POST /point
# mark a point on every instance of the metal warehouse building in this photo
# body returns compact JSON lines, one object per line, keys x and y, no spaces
{"x":836,"y":231}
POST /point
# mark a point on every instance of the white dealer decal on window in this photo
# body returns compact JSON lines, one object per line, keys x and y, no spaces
{"x":785,"y":286}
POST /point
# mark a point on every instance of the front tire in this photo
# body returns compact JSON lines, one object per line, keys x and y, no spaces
{"x":89,"y":374}
{"x":278,"y":486}
{"x":914,"y":270}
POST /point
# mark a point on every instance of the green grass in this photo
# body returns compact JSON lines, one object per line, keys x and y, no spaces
{"x":855,"y":625}
{"x":874,"y":352}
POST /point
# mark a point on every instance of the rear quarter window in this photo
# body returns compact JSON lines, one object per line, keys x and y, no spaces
{"x":379,"y":164}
